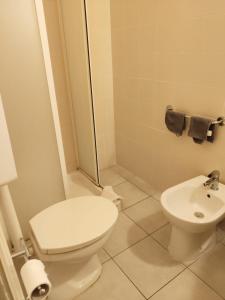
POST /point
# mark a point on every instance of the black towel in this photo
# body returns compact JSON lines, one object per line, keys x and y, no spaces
{"x":175,"y":122}
{"x":199,"y":128}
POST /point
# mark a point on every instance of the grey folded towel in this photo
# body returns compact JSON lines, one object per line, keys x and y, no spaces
{"x":175,"y":122}
{"x":199,"y":128}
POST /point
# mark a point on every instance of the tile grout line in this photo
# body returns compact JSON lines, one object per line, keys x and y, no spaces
{"x":128,"y":180}
{"x":161,"y":227}
{"x":188,"y":267}
{"x":205,"y":252}
{"x":113,"y":256}
{"x":181,"y":263}
{"x":118,"y":184}
{"x":205,"y":283}
{"x":136,"y":224}
{"x":165,"y":248}
{"x":113,"y":259}
{"x":139,"y":201}
{"x":108,"y":259}
{"x":168,"y":282}
{"x":136,"y":185}
{"x":149,"y":234}
{"x":129,"y":279}
{"x":142,"y":239}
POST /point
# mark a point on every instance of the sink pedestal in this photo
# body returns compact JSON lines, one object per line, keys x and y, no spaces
{"x":187,"y":247}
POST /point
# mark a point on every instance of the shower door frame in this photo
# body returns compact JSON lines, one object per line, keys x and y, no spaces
{"x":52,"y":93}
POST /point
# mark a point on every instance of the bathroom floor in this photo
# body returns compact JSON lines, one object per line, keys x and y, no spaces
{"x":136,"y":263}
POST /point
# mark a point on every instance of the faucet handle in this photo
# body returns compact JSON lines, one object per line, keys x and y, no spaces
{"x":214,"y":173}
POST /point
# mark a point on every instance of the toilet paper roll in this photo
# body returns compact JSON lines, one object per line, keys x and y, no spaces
{"x":35,"y":279}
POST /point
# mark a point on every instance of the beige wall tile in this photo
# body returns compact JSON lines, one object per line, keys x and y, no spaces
{"x":167,"y":52}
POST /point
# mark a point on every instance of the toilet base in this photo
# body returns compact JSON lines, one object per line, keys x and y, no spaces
{"x":70,"y":280}
{"x":187,"y":247}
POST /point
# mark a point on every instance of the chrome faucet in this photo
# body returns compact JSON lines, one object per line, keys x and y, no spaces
{"x":213,"y":181}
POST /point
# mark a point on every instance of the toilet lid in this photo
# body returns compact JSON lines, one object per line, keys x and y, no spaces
{"x":73,"y":223}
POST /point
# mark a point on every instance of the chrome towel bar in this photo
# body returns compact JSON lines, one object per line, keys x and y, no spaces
{"x":220,"y":121}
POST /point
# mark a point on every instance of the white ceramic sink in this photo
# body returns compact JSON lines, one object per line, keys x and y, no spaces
{"x":193,"y":203}
{"x":193,"y":211}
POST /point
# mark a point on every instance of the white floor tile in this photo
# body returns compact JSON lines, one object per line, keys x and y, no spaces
{"x":211,"y":268}
{"x":125,"y":234}
{"x":110,"y":177}
{"x":148,"y":265}
{"x":147,"y":214}
{"x":112,"y":285}
{"x":157,"y":195}
{"x":220,"y":235}
{"x":130,"y":194}
{"x":186,"y":286}
{"x":163,"y":235}
{"x":222,"y":225}
{"x":103,"y":256}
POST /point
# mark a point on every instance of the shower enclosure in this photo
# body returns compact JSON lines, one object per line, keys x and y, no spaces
{"x":116,"y":66}
{"x":76,"y":40}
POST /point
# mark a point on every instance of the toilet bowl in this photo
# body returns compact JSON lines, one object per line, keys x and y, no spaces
{"x":67,"y":237}
{"x":193,"y":211}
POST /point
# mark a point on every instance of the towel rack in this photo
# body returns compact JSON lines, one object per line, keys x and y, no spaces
{"x":220,"y":121}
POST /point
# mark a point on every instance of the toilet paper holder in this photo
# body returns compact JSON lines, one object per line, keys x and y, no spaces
{"x":42,"y":289}
{"x":35,"y":280}
{"x":25,"y":252}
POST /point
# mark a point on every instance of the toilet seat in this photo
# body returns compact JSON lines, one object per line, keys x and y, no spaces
{"x":73,"y":224}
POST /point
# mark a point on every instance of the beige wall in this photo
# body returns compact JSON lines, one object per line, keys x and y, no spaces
{"x":26,"y":100}
{"x":167,"y":52}
{"x":99,"y":34}
{"x":55,"y":39}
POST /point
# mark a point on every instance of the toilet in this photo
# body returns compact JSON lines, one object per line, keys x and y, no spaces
{"x":67,"y":237}
{"x":193,"y":211}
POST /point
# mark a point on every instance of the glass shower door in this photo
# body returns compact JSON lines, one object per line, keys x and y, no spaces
{"x":76,"y":41}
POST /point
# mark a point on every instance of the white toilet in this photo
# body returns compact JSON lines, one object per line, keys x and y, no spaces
{"x":67,"y":237}
{"x":193,"y":211}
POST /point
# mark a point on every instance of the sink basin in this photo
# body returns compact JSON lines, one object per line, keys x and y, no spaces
{"x":194,"y":203}
{"x":193,"y":211}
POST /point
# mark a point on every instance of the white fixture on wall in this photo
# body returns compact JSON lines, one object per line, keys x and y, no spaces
{"x":8,"y":173}
{"x":33,"y":272}
{"x":193,"y":210}
{"x":7,"y":164}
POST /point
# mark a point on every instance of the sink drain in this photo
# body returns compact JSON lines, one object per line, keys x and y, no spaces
{"x":199,"y":215}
